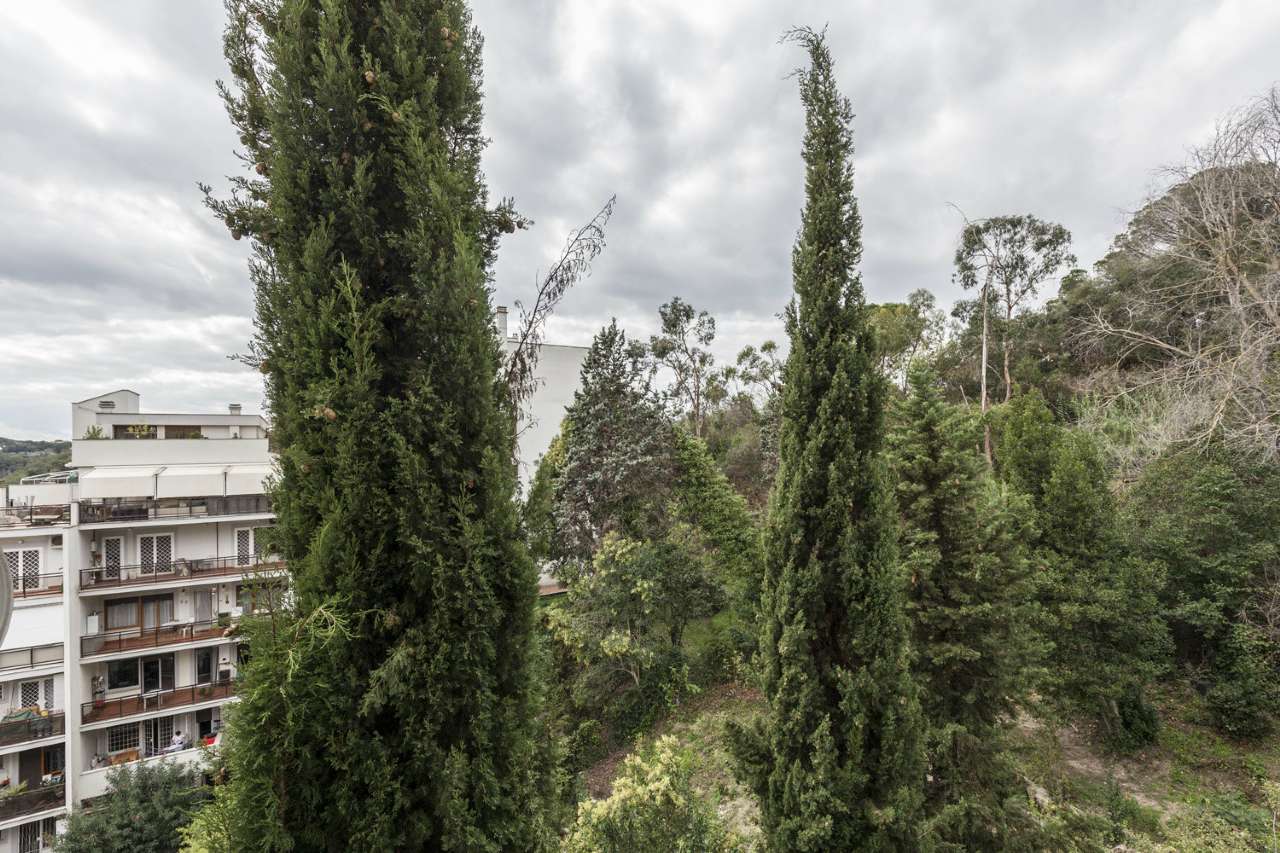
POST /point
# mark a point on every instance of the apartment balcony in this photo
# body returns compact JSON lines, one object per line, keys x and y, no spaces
{"x":38,"y":515}
{"x":36,"y":726}
{"x":37,"y":586}
{"x":156,"y":700}
{"x":169,"y":634}
{"x":159,"y":509}
{"x":102,"y":579}
{"x":31,"y":657}
{"x":32,"y":801}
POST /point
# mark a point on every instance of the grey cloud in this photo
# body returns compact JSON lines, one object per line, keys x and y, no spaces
{"x":685,"y":110}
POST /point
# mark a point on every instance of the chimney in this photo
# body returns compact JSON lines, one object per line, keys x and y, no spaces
{"x":501,"y":319}
{"x":234,"y":408}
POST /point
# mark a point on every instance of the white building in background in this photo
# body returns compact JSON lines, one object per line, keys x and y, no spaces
{"x":129,"y":572}
{"x":559,"y":369}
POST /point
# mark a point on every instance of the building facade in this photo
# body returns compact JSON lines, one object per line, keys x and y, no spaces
{"x":129,"y":573}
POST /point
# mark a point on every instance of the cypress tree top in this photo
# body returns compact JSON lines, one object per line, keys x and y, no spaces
{"x":838,"y":762}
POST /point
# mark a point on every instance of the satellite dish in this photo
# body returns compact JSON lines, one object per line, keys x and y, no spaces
{"x":6,"y":607}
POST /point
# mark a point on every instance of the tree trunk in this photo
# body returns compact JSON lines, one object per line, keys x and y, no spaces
{"x":986,"y":427}
{"x":1008,"y":324}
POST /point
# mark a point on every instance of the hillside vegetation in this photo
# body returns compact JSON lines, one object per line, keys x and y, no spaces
{"x":20,"y":458}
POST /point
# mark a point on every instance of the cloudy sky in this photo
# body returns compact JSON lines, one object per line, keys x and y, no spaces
{"x":112,"y":274}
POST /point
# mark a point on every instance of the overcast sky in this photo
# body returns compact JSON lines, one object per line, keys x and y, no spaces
{"x":113,"y":275}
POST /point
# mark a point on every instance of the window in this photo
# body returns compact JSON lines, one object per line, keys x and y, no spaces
{"x":133,"y":431}
{"x":29,"y":694}
{"x":155,"y":553}
{"x":157,"y":673}
{"x":157,"y":733}
{"x":182,"y":431}
{"x":122,"y":737}
{"x":48,"y":694}
{"x":204,"y":666}
{"x":53,"y":758}
{"x":122,"y":613}
{"x":37,"y":836}
{"x":24,"y":568}
{"x":245,"y":550}
{"x":112,"y":552}
{"x":55,"y":542}
{"x":122,"y":673}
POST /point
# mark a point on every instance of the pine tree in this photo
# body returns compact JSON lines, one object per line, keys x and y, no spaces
{"x":837,"y":762}
{"x":407,"y":723}
{"x":616,"y":471}
{"x":975,"y":649}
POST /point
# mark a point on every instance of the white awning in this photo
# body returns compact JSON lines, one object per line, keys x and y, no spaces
{"x":247,"y":479}
{"x":191,"y":481}
{"x":119,"y":482}
{"x":34,"y":626}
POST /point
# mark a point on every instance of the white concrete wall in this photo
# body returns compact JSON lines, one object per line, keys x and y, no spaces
{"x":35,"y":494}
{"x":155,"y":451}
{"x":559,"y":369}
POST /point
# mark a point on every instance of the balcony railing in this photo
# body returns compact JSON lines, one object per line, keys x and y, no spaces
{"x":35,"y":728}
{"x":30,"y":657}
{"x":37,"y":586}
{"x":40,"y":515}
{"x":32,"y":801}
{"x":130,"y":639}
{"x":93,"y":512}
{"x":156,"y":700}
{"x":179,"y":569}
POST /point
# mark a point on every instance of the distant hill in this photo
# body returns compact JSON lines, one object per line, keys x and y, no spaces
{"x":20,"y":458}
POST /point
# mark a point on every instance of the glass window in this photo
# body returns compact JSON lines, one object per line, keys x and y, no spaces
{"x":182,"y":431}
{"x":204,"y":666}
{"x":157,"y":673}
{"x":133,"y":431}
{"x":122,"y":613}
{"x":122,"y":737}
{"x":122,"y":673}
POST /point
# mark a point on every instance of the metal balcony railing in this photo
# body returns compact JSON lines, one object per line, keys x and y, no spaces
{"x":94,"y":512}
{"x":180,"y":569}
{"x":30,"y":657}
{"x":32,"y":801}
{"x":35,"y":728}
{"x":155,"y":700}
{"x":41,"y":515}
{"x":172,"y":633}
{"x":37,"y":586}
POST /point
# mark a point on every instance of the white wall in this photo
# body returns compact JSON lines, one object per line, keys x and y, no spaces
{"x":559,"y":369}
{"x":180,"y":451}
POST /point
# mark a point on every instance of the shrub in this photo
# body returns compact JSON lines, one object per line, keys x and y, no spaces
{"x":653,"y":807}
{"x":1246,"y":690}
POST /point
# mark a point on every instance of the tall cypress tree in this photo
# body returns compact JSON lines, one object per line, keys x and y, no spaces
{"x":406,"y":726}
{"x":837,"y":762}
{"x":971,"y":618}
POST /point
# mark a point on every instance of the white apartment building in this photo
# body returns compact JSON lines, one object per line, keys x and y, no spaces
{"x":129,"y":572}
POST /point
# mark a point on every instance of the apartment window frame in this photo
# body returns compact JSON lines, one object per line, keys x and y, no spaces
{"x":129,"y":666}
{"x":182,"y":431}
{"x":124,"y":737}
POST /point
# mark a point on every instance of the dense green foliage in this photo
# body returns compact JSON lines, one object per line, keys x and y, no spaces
{"x":143,"y":811}
{"x":972,"y":619}
{"x":1211,"y":519}
{"x":20,"y":459}
{"x":413,"y":726}
{"x":837,"y":762}
{"x":1100,"y":603}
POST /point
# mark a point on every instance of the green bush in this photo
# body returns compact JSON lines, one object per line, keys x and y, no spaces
{"x":653,"y":808}
{"x":1138,"y":723}
{"x":1242,"y":699}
